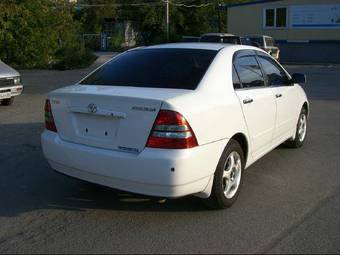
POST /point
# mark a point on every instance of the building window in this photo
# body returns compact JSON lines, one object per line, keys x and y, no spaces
{"x":275,"y":17}
{"x":270,"y":17}
{"x":281,"y":17}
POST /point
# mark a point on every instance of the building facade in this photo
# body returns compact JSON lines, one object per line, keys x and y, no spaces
{"x":306,"y":30}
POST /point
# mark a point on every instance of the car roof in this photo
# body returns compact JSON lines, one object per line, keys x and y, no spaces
{"x":194,"y":45}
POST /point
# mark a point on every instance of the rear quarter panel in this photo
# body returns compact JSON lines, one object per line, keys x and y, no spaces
{"x":213,"y":109}
{"x":302,"y":97}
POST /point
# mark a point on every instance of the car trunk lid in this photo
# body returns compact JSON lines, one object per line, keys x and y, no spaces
{"x":115,"y":118}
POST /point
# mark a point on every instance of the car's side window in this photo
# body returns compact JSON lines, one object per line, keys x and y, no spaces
{"x":236,"y":79}
{"x":275,"y":75}
{"x":249,"y":71}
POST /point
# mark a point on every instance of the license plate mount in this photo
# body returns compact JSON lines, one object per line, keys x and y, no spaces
{"x":5,"y":95}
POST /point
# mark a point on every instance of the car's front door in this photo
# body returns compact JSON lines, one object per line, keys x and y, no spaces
{"x":285,"y":97}
{"x":257,"y":100}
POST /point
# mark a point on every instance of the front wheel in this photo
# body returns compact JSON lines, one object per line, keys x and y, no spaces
{"x":7,"y":101}
{"x":301,"y":131}
{"x":228,"y":177}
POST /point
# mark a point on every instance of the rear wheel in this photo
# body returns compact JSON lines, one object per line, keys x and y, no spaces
{"x":301,"y":131}
{"x":228,"y":177}
{"x":7,"y":101}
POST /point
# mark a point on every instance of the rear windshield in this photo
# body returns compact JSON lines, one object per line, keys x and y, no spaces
{"x":211,"y":38}
{"x":232,"y":40}
{"x":258,"y":40}
{"x":219,"y":39}
{"x":154,"y":68}
{"x":246,"y":41}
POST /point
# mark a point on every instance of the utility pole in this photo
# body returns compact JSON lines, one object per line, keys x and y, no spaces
{"x":167,"y":19}
{"x":219,"y":17}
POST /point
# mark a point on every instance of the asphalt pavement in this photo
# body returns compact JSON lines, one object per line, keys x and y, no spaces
{"x":290,"y":201}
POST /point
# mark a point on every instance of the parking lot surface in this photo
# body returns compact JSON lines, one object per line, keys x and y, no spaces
{"x":290,"y":201}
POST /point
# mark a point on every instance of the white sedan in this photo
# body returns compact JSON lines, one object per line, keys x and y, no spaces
{"x":175,"y":119}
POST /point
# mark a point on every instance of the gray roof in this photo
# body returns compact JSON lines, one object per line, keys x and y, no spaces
{"x":226,"y":6}
{"x":218,"y":34}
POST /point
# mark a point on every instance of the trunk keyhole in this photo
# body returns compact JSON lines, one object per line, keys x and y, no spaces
{"x":86,"y":130}
{"x":105,"y":133}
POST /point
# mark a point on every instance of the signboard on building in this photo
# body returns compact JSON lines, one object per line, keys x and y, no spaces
{"x":325,"y":16}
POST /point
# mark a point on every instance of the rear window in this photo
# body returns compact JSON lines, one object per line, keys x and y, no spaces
{"x":258,"y":40}
{"x":154,"y":68}
{"x":211,"y":38}
{"x":232,"y":40}
{"x":246,"y":41}
{"x":219,"y":39}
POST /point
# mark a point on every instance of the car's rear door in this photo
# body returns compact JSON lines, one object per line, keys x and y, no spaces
{"x":285,"y":96}
{"x":257,"y":100}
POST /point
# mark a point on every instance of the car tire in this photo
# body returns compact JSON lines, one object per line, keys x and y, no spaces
{"x":7,"y":101}
{"x":228,"y":177}
{"x":301,"y":131}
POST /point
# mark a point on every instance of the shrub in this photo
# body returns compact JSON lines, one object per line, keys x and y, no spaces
{"x":75,"y":56}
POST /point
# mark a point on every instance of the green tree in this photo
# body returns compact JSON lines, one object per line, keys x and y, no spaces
{"x":93,"y":12}
{"x":38,"y":33}
{"x":148,"y":17}
{"x":149,"y":20}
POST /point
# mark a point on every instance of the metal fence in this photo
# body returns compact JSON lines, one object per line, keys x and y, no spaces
{"x":104,"y":42}
{"x":94,"y":42}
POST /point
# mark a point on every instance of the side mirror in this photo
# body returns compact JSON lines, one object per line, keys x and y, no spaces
{"x":298,"y":78}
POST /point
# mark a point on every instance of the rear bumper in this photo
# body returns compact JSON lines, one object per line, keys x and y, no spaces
{"x":156,"y":172}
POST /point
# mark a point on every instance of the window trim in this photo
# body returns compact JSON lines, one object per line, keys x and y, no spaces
{"x":233,"y":68}
{"x":275,"y":11}
{"x":254,"y":54}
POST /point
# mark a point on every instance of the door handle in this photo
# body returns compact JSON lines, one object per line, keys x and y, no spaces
{"x":278,"y":95}
{"x":248,"y":100}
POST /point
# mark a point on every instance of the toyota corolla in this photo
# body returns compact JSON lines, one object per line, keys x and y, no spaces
{"x":175,"y":120}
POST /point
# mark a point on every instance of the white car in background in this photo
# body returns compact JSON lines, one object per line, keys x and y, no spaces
{"x":10,"y":84}
{"x":175,"y":119}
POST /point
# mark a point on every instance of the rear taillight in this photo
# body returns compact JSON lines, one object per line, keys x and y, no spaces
{"x":49,"y":121}
{"x":171,"y":131}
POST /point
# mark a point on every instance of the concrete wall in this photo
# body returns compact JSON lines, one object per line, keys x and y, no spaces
{"x":310,"y":53}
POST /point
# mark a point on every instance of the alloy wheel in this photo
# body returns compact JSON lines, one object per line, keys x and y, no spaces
{"x":231,"y":177}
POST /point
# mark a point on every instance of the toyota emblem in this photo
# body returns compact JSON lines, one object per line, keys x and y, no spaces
{"x":92,"y":108}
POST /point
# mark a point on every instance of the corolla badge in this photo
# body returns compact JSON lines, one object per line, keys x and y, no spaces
{"x":92,"y":108}
{"x":143,"y":108}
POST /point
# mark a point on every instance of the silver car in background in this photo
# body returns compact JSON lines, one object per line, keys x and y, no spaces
{"x":10,"y":84}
